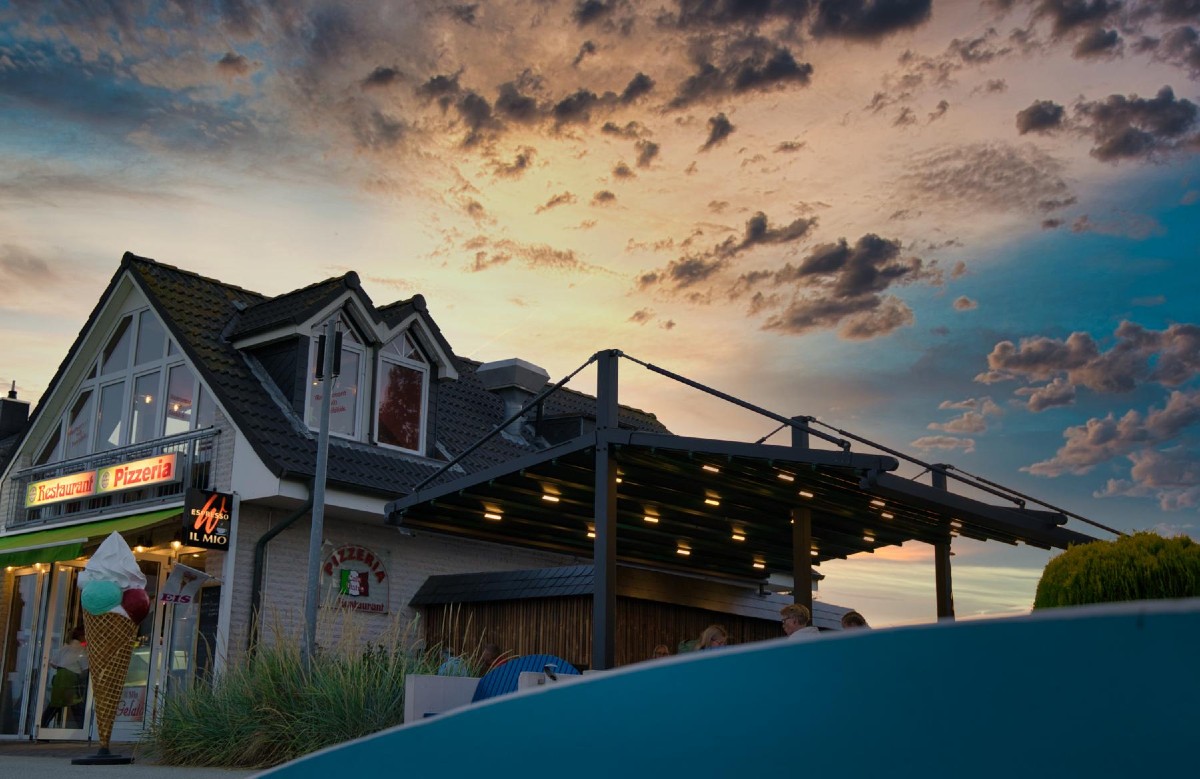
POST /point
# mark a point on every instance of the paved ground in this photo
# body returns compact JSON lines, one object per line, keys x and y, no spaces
{"x":52,"y":760}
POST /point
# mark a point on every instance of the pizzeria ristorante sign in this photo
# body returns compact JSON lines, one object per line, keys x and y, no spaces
{"x":114,"y":478}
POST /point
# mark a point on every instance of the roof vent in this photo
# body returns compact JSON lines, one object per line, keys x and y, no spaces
{"x":514,"y":380}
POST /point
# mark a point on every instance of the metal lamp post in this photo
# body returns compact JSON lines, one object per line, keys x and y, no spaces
{"x":331,"y":347}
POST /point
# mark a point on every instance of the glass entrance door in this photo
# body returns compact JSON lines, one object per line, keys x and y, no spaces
{"x":144,"y":681}
{"x":63,"y":701}
{"x":21,"y":645}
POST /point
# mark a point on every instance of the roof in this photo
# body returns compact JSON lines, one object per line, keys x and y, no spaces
{"x":205,"y":316}
{"x":722,"y":508}
{"x":578,"y":581}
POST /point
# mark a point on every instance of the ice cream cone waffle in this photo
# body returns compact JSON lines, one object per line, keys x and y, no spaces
{"x":110,"y":645}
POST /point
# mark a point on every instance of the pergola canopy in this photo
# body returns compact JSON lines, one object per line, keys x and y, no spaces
{"x":728,"y":504}
{"x":713,"y":507}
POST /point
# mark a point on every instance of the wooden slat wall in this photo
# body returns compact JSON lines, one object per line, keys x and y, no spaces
{"x":563,"y":627}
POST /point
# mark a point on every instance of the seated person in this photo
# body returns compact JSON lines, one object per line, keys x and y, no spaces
{"x":852,"y":619}
{"x":795,"y":618}
{"x":713,"y":637}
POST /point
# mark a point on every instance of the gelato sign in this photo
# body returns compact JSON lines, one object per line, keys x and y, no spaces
{"x":114,"y":478}
{"x":206,"y":519}
{"x":354,"y":577}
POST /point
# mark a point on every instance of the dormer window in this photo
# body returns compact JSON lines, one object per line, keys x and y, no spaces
{"x":403,"y":384}
{"x":344,"y":404}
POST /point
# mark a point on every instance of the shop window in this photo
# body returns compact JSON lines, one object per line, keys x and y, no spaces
{"x":344,"y":406}
{"x":403,"y":376}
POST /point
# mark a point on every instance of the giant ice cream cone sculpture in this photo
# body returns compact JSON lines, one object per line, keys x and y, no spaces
{"x":110,"y":645}
{"x":110,"y":577}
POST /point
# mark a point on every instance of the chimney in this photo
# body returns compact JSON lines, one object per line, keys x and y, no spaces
{"x":13,"y":413}
{"x":514,"y":380}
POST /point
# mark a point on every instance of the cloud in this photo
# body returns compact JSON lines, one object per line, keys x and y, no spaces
{"x":641,"y":316}
{"x":1172,"y":476}
{"x":603,"y":197}
{"x":562,"y":199}
{"x":964,"y":303}
{"x":868,"y":19}
{"x":22,"y":270}
{"x":990,"y":177}
{"x":489,"y":254}
{"x":1098,"y":42}
{"x":1069,"y":16}
{"x":519,"y":165}
{"x":647,"y":151}
{"x":1101,"y":439}
{"x":381,"y":77}
{"x":1041,"y":117}
{"x":719,"y":128}
{"x":1133,"y":127}
{"x":838,"y":286}
{"x":1169,"y":357}
{"x":926,"y":443}
{"x":972,"y":420}
{"x":757,"y":72}
{"x":1059,"y":392}
{"x":234,"y":65}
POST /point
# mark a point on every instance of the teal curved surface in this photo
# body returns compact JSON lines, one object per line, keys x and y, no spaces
{"x":1093,"y":691}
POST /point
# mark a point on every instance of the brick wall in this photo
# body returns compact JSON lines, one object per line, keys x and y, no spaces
{"x":408,"y":561}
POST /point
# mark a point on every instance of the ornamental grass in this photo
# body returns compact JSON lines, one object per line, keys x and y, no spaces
{"x":269,"y":709}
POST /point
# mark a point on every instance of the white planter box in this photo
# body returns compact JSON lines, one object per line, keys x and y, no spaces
{"x":429,"y":694}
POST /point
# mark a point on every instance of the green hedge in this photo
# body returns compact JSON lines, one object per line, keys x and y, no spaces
{"x":1142,"y":566}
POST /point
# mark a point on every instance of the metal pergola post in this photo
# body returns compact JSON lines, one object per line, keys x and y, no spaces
{"x":802,"y":556}
{"x":604,"y":599}
{"x":941,"y":560}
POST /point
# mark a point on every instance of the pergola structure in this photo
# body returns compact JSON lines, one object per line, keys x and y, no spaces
{"x":733,"y":510}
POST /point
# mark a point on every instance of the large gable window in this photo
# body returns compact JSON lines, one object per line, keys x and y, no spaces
{"x":403,"y":377}
{"x":344,"y":406}
{"x":114,"y":406}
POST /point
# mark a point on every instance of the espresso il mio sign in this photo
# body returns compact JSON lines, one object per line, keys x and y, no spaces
{"x":206,"y":519}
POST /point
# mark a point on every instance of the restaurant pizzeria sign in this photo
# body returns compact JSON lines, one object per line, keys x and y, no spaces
{"x":114,"y":478}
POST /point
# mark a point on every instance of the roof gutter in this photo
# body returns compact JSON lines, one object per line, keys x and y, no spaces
{"x":260,"y":556}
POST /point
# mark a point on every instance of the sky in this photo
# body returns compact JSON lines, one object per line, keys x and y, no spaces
{"x":966,"y":231}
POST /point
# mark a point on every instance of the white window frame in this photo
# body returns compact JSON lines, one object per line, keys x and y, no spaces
{"x":351,"y":342}
{"x":423,"y":367}
{"x":95,"y":383}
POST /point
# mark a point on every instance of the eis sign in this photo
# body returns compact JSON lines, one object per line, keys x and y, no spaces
{"x":206,"y":518}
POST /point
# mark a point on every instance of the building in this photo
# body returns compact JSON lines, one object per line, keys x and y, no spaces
{"x":186,"y":415}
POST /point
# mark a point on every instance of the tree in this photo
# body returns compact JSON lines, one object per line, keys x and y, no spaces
{"x":1142,"y":566}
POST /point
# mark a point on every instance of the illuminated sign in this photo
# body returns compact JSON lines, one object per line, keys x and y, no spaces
{"x":139,"y":473}
{"x":206,"y":519}
{"x":77,"y":485}
{"x":114,"y":478}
